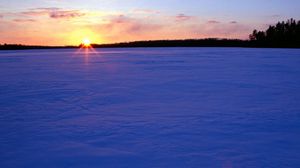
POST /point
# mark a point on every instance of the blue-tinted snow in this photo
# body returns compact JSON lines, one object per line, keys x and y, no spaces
{"x":171,"y":107}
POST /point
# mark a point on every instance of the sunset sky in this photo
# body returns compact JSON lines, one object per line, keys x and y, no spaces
{"x":62,"y":22}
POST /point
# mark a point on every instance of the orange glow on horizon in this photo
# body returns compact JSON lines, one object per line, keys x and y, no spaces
{"x":83,"y":36}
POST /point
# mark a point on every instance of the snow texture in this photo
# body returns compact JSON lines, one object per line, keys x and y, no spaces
{"x":144,"y":108}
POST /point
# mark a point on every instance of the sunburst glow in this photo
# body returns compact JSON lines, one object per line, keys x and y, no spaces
{"x":86,"y":43}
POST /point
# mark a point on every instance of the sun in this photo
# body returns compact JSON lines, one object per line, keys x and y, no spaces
{"x":86,"y":43}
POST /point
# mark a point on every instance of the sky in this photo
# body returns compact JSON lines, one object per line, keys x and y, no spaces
{"x":68,"y":22}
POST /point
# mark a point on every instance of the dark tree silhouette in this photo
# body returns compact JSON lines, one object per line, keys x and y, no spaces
{"x":283,"y":34}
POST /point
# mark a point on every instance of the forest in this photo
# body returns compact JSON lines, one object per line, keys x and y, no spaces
{"x":283,"y":34}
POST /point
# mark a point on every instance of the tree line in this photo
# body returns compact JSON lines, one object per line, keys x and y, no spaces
{"x":209,"y":42}
{"x":283,"y":34}
{"x":29,"y":47}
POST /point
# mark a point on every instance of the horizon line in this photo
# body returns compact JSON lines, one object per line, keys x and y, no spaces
{"x":126,"y":42}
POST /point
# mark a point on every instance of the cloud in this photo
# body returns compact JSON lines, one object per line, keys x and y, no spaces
{"x":36,"y":12}
{"x":54,"y":13}
{"x":120,"y":28}
{"x":65,"y":14}
{"x":146,"y":11}
{"x":24,"y":20}
{"x":47,"y":9}
{"x":275,"y":16}
{"x":120,"y":19}
{"x":130,"y":25}
{"x":182,"y":17}
{"x":224,"y":30}
{"x":213,"y":22}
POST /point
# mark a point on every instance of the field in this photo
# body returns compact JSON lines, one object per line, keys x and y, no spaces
{"x":150,"y":107}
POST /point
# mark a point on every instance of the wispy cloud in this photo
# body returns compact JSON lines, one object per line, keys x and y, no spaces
{"x":55,"y":13}
{"x":275,"y":16}
{"x":65,"y":14}
{"x":213,"y":22}
{"x":128,"y":25}
{"x":182,"y":17}
{"x":225,"y":30}
{"x":24,"y":20}
{"x":146,"y":11}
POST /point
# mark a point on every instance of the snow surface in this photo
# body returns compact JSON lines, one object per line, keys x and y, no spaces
{"x":159,"y":107}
